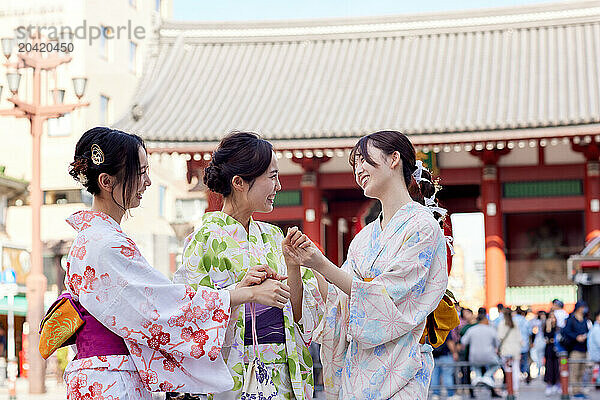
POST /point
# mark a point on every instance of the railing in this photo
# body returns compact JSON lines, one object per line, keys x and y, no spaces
{"x":463,"y":381}
{"x":567,"y":385}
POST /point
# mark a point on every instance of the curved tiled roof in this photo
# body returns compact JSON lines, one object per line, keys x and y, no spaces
{"x":459,"y":72}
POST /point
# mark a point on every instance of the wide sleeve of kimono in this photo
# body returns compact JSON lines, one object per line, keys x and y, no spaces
{"x":174,"y":334}
{"x":398,"y":300}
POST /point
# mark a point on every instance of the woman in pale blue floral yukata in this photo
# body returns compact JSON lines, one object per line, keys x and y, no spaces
{"x":230,"y":248}
{"x":395,"y":275}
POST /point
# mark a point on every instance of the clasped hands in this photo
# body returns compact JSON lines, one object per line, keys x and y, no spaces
{"x":266,"y":285}
{"x":299,"y":250}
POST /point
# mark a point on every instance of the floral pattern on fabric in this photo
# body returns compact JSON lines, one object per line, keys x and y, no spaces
{"x":217,"y":255}
{"x":370,"y":339}
{"x":171,"y":343}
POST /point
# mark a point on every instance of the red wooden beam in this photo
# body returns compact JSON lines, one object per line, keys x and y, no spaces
{"x":545,"y":204}
{"x":460,"y":176}
{"x":337,"y":180}
{"x":281,"y":214}
{"x":541,"y":173}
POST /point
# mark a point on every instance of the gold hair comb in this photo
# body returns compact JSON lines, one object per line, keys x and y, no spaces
{"x":97,"y":154}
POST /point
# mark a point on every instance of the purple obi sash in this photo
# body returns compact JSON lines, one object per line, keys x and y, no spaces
{"x":269,"y":325}
{"x":93,"y":338}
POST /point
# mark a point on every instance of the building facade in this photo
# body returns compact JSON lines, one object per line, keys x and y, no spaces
{"x":113,"y":67}
{"x":503,"y":104}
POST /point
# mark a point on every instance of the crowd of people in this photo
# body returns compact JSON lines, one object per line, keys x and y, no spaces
{"x":533,"y":341}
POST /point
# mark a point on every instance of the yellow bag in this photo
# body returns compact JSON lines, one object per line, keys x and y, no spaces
{"x":441,"y":321}
{"x":59,"y":325}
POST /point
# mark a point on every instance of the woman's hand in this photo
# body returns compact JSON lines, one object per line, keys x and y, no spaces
{"x":298,"y":250}
{"x":271,"y":293}
{"x":257,"y":274}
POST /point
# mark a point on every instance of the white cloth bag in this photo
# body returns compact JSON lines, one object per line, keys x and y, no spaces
{"x":258,"y":384}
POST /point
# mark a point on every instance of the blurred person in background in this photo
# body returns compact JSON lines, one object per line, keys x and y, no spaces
{"x":468,"y":320}
{"x":539,"y":341}
{"x":525,"y":330}
{"x":500,"y":316}
{"x":559,"y":313}
{"x":575,"y":335}
{"x":2,"y":341}
{"x":593,"y":347}
{"x":443,"y":371}
{"x":483,"y":352}
{"x":481,"y":311}
{"x":551,"y":373}
{"x":511,"y":343}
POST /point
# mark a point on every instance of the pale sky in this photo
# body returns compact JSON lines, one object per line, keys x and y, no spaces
{"x":240,"y":10}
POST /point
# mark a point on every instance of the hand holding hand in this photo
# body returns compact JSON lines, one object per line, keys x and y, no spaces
{"x":298,"y":250}
{"x":271,"y":293}
{"x":257,"y":274}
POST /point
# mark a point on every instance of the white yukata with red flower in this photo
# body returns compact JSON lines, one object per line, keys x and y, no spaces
{"x":174,"y":334}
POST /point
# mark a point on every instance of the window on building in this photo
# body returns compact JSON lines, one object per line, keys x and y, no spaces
{"x":162,"y":191}
{"x":133,"y":57}
{"x":189,"y":209}
{"x":60,"y":126}
{"x":105,"y":43}
{"x":3,"y":209}
{"x":133,"y":3}
{"x":67,"y":196}
{"x":157,"y":5}
{"x":104,"y":110}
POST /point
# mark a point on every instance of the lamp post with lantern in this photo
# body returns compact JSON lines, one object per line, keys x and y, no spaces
{"x":37,"y":111}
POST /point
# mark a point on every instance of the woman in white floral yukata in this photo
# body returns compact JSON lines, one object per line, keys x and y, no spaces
{"x":229,"y":243}
{"x":141,"y":333}
{"x":394,"y":276}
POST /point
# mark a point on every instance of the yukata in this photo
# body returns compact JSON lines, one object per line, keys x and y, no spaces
{"x":370,"y":339}
{"x":173,"y":334}
{"x":218,"y":255}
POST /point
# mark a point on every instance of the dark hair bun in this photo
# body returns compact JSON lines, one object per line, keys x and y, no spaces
{"x":78,"y":169}
{"x":243,"y":154}
{"x":216,"y":180}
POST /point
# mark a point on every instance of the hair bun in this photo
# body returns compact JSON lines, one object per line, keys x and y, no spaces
{"x":216,"y":180}
{"x":78,"y":169}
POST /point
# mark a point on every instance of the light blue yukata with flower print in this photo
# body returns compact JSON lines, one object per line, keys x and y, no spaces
{"x":370,"y":339}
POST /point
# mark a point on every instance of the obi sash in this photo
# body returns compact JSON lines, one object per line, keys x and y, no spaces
{"x":67,"y":322}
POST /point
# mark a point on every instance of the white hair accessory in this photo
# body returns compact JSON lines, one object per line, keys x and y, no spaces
{"x":449,"y":240}
{"x":418,"y":174}
{"x":82,"y":178}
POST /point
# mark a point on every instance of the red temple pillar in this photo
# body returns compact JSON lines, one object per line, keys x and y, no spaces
{"x":591,"y":187}
{"x":495,"y":257}
{"x":333,"y":240}
{"x":312,"y":197}
{"x":311,"y":205}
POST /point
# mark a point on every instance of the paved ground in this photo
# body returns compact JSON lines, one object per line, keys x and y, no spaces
{"x":534,"y":391}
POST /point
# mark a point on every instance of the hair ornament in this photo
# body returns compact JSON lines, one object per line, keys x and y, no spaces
{"x":418,"y":174}
{"x":82,"y":178}
{"x":97,"y":154}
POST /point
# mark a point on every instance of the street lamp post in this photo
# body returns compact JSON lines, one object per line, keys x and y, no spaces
{"x":37,"y":113}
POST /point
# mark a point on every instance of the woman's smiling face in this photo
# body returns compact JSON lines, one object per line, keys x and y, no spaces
{"x":262,"y":192}
{"x":373,"y":179}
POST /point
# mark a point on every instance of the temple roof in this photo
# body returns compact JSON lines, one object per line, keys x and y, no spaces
{"x":453,"y":73}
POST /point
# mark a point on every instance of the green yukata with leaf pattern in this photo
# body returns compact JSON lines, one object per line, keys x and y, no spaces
{"x":217,"y":255}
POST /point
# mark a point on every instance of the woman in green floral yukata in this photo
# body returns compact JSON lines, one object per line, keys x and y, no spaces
{"x":230,"y":247}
